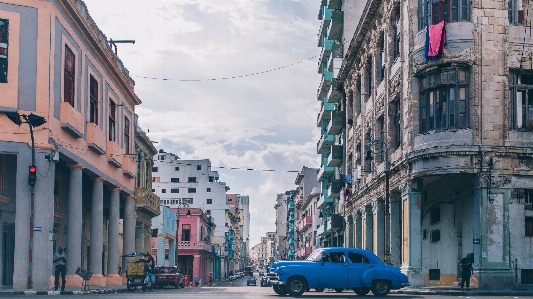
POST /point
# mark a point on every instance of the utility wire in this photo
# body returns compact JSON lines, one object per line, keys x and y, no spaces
{"x":228,"y":78}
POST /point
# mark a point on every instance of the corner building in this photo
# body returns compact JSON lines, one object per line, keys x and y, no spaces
{"x":456,"y":131}
{"x":56,"y":63}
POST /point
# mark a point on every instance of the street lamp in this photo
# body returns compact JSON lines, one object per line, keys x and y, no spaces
{"x":181,"y":205}
{"x":378,"y":146}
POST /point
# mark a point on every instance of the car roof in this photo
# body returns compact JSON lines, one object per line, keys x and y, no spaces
{"x":166,"y":266}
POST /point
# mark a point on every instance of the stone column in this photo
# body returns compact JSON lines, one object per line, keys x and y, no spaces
{"x":350,"y":232}
{"x":112,"y":277}
{"x":395,"y":228}
{"x":97,"y":233}
{"x":129,"y":225}
{"x":161,"y":250}
{"x":195,"y":267}
{"x":379,"y":227}
{"x":412,"y":259}
{"x":22,"y":222}
{"x":43,"y":215}
{"x":74,"y":225}
{"x":369,"y":215}
{"x":172,"y":252}
{"x":358,"y":229}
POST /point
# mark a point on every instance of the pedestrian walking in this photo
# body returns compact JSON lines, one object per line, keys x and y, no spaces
{"x":150,"y":275}
{"x":60,"y":259}
{"x":466,"y":271}
{"x":186,"y":281}
{"x":210,"y":279}
{"x":196,"y":281}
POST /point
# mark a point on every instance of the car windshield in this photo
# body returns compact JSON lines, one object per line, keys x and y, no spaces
{"x":316,"y":256}
{"x":167,"y":270}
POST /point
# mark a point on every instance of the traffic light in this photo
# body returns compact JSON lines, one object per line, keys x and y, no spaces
{"x":32,"y":176}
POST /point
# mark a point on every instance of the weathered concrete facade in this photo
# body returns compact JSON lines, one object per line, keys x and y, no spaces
{"x":457,"y":133}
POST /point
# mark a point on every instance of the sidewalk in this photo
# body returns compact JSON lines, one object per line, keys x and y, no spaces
{"x":456,"y":291}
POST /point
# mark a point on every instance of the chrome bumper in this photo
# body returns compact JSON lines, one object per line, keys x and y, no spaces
{"x":405,"y":284}
{"x":278,"y":283}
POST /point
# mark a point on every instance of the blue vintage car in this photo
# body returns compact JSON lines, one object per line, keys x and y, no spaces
{"x":337,"y":268}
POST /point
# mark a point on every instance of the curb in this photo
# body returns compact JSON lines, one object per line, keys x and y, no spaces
{"x":463,"y":293}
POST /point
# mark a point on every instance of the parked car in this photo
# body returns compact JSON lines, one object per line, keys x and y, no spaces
{"x":168,"y":276}
{"x":337,"y":268}
{"x":251,"y":281}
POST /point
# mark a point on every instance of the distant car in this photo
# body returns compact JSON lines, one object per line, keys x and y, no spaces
{"x":233,"y":277}
{"x":337,"y":268}
{"x":168,"y":276}
{"x":251,"y":281}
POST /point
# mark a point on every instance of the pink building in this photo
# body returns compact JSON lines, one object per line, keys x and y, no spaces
{"x":195,"y":257}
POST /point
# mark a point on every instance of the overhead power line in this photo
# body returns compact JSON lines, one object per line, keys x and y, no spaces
{"x":228,"y":78}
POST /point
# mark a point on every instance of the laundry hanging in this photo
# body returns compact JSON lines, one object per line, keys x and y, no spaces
{"x":435,"y":41}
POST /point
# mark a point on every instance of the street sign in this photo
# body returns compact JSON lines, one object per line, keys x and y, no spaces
{"x":37,"y":229}
{"x":477,"y":241}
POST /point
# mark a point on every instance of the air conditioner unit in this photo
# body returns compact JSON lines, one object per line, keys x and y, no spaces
{"x":357,"y":172}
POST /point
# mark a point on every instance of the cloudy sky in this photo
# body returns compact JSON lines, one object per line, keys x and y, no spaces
{"x":262,"y":121}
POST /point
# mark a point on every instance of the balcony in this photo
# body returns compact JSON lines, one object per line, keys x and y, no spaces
{"x":114,"y":154}
{"x":322,"y":230}
{"x":335,"y":156}
{"x":291,"y":206}
{"x":291,"y":229}
{"x":324,"y":25}
{"x":335,"y":221}
{"x":129,"y":167}
{"x":325,"y":113}
{"x":336,"y":123}
{"x":96,"y":139}
{"x":334,"y":4}
{"x":327,"y":46}
{"x":71,"y":120}
{"x":291,"y":218}
{"x":323,"y":200}
{"x":324,"y":170}
{"x":325,"y":142}
{"x":336,"y":24}
{"x":199,"y":245}
{"x":306,"y":222}
{"x":147,"y":201}
{"x":325,"y":82}
{"x":333,"y":95}
{"x":334,"y":189}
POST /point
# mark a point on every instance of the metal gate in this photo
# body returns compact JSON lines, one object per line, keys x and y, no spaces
{"x":8,"y":253}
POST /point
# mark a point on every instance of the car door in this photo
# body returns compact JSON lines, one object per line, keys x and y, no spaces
{"x":333,"y":273}
{"x":358,"y":264}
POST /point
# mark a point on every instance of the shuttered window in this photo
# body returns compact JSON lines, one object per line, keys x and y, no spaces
{"x":4,"y":31}
{"x":69,"y":78}
{"x":93,"y":99}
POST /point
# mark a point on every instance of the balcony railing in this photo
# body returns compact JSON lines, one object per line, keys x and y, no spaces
{"x":325,"y":113}
{"x":327,"y":46}
{"x":71,"y":120}
{"x":336,"y":123}
{"x":147,"y":201}
{"x":336,"y":24}
{"x":96,"y":138}
{"x":334,"y":189}
{"x":325,"y":142}
{"x":114,"y":154}
{"x":129,"y":166}
{"x":324,"y":170}
{"x":334,"y":4}
{"x":335,"y":156}
{"x":324,"y":199}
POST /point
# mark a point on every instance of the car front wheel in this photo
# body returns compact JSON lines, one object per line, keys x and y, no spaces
{"x":362,"y":291}
{"x":380,"y":287}
{"x":280,"y":290}
{"x":296,"y":286}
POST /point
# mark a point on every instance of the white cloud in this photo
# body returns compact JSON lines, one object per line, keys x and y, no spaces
{"x":265,"y":121}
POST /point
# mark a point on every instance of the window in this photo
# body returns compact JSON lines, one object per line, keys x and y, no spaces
{"x":396,"y":36}
{"x":112,"y":118}
{"x":155,"y":169}
{"x":209,"y":201}
{"x":174,"y":190}
{"x":435,"y":236}
{"x":444,"y":100}
{"x":198,"y":167}
{"x":396,"y":124}
{"x":155,"y":179}
{"x":4,"y":34}
{"x":185,"y":232}
{"x":521,"y":109}
{"x":191,"y":190}
{"x":93,"y":99}
{"x":515,"y":12}
{"x":435,"y":11}
{"x":187,"y":201}
{"x":211,"y":179}
{"x":434,"y":215}
{"x":68,"y":77}
{"x":380,"y":72}
{"x":369,"y":78}
{"x":191,"y":180}
{"x":174,"y":180}
{"x":526,"y":276}
{"x":529,"y":226}
{"x":163,"y":190}
{"x":424,"y":234}
{"x":126,"y":135}
{"x":208,"y":212}
{"x":176,"y":168}
{"x":522,"y":195}
{"x":208,"y":189}
{"x":357,"y":258}
{"x":153,"y":190}
{"x":162,"y":157}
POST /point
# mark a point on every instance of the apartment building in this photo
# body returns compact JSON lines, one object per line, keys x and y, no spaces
{"x":439,"y":145}
{"x":307,"y":217}
{"x":57,"y":66}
